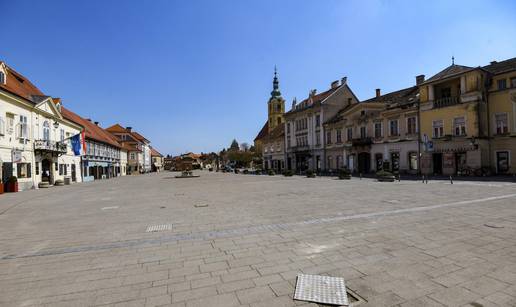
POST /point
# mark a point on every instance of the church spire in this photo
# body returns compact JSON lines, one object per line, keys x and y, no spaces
{"x":275,"y":85}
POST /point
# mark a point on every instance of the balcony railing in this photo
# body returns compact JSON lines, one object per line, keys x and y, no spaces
{"x":51,"y":146}
{"x":446,"y":102}
{"x":299,"y":148}
{"x":362,"y":141}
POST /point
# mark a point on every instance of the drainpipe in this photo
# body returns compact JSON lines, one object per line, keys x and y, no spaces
{"x":486,"y":91}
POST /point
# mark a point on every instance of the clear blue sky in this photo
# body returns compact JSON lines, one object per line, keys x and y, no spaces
{"x":193,"y":75}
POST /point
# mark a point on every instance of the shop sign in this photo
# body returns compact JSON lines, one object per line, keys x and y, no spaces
{"x":16,"y":156}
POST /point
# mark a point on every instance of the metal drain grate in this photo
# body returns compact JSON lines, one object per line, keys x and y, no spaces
{"x":157,"y":228}
{"x":321,"y":289}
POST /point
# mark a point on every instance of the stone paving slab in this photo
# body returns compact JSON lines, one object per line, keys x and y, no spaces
{"x":396,"y":244}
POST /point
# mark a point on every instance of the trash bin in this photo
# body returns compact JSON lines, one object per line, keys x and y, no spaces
{"x":67,"y":180}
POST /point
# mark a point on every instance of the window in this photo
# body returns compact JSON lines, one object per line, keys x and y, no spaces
{"x":2,"y":126}
{"x":501,"y":123}
{"x":318,"y":120}
{"x":2,"y":77}
{"x":23,"y":170}
{"x":37,"y":168}
{"x":378,"y":130}
{"x":379,"y":161}
{"x":62,"y":135}
{"x":513,"y":82}
{"x":411,"y":125}
{"x":61,"y":169}
{"x":363,"y":132}
{"x":502,"y":84}
{"x":349,"y":132}
{"x":288,"y":141}
{"x":395,"y":161}
{"x":46,"y":130}
{"x":23,"y":132}
{"x":445,"y":92}
{"x":328,"y":137}
{"x":288,"y":128}
{"x":502,"y":161}
{"x":437,"y":128}
{"x":132,"y":156}
{"x":279,"y":120}
{"x":318,"y":139}
{"x":330,"y":162}
{"x":339,"y":136}
{"x":393,"y":127}
{"x":10,"y":123}
{"x":412,"y":156}
{"x":459,"y":126}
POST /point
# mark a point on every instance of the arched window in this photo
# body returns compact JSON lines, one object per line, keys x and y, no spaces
{"x":46,"y":130}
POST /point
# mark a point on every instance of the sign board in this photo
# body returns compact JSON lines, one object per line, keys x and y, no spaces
{"x":16,"y":156}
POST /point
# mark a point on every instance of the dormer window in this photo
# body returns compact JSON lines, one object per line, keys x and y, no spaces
{"x":2,"y":78}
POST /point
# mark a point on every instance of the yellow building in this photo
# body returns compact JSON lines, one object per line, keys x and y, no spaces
{"x":459,"y":109}
{"x":501,"y":100}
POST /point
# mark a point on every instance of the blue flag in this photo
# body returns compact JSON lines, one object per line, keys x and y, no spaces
{"x":76,"y":144}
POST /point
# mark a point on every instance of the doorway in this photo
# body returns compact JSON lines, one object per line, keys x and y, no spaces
{"x":74,"y":173}
{"x":45,"y":171}
{"x":437,"y":159}
{"x":364,"y":162}
{"x":502,"y":162}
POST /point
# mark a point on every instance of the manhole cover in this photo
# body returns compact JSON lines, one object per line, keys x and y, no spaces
{"x":156,"y":228}
{"x":321,"y":289}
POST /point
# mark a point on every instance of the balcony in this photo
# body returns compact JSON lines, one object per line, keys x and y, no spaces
{"x":50,"y":146}
{"x":299,"y":148}
{"x":446,"y":102}
{"x":367,"y":141}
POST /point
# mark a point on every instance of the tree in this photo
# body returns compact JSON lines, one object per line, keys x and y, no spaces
{"x":234,"y":145}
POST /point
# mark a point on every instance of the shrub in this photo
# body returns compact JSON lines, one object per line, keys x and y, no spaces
{"x":344,"y":173}
{"x":246,"y":171}
{"x":310,"y":174}
{"x":385,"y":176}
{"x":288,"y":173}
{"x":12,"y":179}
{"x":271,"y":173}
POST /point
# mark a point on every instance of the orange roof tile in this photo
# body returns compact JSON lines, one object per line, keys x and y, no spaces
{"x":20,"y":86}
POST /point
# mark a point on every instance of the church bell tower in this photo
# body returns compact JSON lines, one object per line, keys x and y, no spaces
{"x":276,"y":105}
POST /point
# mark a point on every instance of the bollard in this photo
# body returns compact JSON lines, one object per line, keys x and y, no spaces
{"x":399,"y":178}
{"x":451,"y":180}
{"x":423,"y":179}
{"x":360,"y":176}
{"x":426,"y":179}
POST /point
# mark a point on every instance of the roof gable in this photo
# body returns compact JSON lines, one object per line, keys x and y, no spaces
{"x":263,"y":132}
{"x":450,"y":71}
{"x":48,"y":106}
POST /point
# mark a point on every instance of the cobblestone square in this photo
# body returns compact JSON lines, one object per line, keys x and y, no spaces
{"x":240,"y":240}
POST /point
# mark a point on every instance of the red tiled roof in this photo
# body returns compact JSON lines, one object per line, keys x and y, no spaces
{"x":19,"y":85}
{"x":139,"y":137}
{"x":263,"y":132}
{"x":116,"y":128}
{"x":91,"y":130}
{"x":155,"y":153}
{"x":316,"y":99}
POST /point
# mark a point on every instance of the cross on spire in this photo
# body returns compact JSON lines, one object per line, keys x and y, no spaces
{"x":453,"y":60}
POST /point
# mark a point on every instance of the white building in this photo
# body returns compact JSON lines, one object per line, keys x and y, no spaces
{"x":35,"y":139}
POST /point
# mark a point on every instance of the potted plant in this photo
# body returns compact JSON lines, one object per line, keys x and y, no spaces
{"x":344,"y":173}
{"x":12,"y":184}
{"x":310,"y":174}
{"x":288,"y":173}
{"x":385,"y":176}
{"x":271,"y":173}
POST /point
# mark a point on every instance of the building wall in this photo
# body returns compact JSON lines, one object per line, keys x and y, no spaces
{"x":123,"y":162}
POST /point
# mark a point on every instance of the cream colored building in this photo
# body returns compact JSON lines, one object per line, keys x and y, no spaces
{"x":35,"y":141}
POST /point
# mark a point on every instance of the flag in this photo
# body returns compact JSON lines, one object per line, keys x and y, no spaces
{"x":83,"y":133}
{"x":76,"y":144}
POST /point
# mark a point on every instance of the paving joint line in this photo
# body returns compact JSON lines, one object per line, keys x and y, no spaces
{"x":244,"y":230}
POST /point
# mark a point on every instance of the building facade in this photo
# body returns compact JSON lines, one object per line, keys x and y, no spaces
{"x":35,"y":138}
{"x":135,"y":148}
{"x":102,"y":157}
{"x":304,"y":130}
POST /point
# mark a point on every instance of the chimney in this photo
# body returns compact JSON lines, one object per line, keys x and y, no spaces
{"x":88,"y":119}
{"x":493,"y":62}
{"x":129,"y":128}
{"x":335,"y":84}
{"x":378,"y":93}
{"x":344,"y":80}
{"x":420,"y":79}
{"x":96,"y":123}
